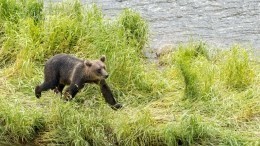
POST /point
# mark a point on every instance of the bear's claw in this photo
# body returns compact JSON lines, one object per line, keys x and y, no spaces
{"x":117,"y":106}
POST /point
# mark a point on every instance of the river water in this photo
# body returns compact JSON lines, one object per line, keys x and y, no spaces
{"x":220,"y":23}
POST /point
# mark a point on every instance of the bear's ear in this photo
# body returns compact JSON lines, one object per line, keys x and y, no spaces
{"x":103,"y":58}
{"x":88,"y":63}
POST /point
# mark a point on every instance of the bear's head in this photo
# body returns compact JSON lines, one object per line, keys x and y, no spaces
{"x":96,"y":69}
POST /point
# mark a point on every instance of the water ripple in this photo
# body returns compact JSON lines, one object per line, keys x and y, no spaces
{"x":218,"y":22}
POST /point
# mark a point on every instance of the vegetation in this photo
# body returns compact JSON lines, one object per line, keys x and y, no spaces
{"x":191,"y":97}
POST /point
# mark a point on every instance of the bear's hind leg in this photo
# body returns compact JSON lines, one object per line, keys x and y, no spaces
{"x":38,"y":91}
{"x":59,"y":89}
{"x":44,"y":87}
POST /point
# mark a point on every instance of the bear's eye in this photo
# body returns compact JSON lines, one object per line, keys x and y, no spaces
{"x":99,"y":71}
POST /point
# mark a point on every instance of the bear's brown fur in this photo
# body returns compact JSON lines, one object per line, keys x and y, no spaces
{"x":63,"y":69}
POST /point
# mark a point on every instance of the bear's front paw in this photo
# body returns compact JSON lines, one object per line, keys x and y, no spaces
{"x":67,"y":96}
{"x":117,"y":106}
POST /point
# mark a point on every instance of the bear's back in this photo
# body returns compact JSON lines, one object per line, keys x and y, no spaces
{"x":63,"y":60}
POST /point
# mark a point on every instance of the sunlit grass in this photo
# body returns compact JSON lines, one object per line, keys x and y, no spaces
{"x":237,"y":71}
{"x":191,"y":97}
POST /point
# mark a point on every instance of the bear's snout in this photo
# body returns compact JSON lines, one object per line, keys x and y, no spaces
{"x":106,"y":76}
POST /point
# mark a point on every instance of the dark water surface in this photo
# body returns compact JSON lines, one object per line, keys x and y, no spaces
{"x":220,"y":23}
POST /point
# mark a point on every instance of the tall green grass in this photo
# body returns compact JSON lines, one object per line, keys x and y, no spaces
{"x":138,"y":129}
{"x":237,"y":71}
{"x":12,"y":10}
{"x":71,"y":124}
{"x":197,"y":71}
{"x":13,"y":14}
{"x":221,"y":88}
{"x":192,"y":130}
{"x":18,"y":124}
{"x":136,"y":29}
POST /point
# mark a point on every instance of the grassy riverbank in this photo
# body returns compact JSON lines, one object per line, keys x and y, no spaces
{"x":191,"y":96}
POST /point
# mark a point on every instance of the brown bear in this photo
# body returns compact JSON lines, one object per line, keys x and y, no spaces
{"x":64,"y":69}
